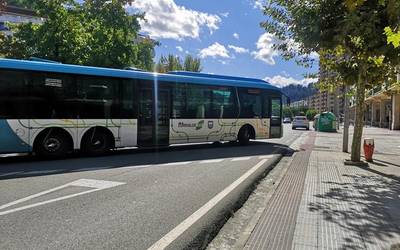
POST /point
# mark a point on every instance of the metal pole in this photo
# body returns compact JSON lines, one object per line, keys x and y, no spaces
{"x":346,"y":124}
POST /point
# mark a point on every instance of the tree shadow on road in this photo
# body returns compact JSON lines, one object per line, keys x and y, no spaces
{"x":365,"y":207}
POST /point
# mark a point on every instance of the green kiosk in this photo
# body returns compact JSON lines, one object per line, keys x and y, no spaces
{"x":325,"y":122}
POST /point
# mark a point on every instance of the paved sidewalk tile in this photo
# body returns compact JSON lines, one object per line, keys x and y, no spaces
{"x":323,"y":204}
{"x":275,"y":230}
{"x":346,"y":207}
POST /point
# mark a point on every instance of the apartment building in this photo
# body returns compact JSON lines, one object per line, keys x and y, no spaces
{"x":12,"y":14}
{"x":327,"y":101}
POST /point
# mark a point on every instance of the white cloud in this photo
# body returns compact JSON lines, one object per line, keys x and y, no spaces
{"x":282,"y":81}
{"x":238,"y":50}
{"x":258,"y":4}
{"x":215,"y":50}
{"x":236,"y":35}
{"x":266,"y":52}
{"x":179,"y":48}
{"x":166,"y":19}
{"x":225,"y":14}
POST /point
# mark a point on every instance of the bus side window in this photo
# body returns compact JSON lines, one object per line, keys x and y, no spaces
{"x":179,"y":101}
{"x":14,"y":95}
{"x":51,"y":94}
{"x":98,"y":96}
{"x":127,"y":102}
{"x":266,"y":106}
{"x":250,"y":103}
{"x":198,"y":102}
{"x":223,"y":103}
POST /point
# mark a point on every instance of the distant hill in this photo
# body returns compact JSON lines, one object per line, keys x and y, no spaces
{"x":298,"y":92}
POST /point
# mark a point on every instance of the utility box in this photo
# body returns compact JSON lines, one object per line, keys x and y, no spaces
{"x":325,"y":122}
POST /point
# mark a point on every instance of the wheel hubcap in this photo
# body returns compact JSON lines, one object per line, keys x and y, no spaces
{"x":52,"y":144}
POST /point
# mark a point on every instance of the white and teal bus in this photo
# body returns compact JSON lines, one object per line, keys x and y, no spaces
{"x":52,"y":109}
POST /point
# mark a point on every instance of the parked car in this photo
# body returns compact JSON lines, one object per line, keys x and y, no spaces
{"x":300,"y":122}
{"x":287,"y":120}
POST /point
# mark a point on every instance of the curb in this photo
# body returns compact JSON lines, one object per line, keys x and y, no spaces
{"x":200,"y":234}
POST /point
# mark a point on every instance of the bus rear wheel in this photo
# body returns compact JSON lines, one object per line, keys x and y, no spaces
{"x":96,"y":143}
{"x":244,"y":136}
{"x":52,"y":145}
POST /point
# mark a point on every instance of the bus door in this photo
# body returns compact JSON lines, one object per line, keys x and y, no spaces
{"x":276,"y":117}
{"x":162,"y":130}
{"x":145,"y":118}
{"x":150,"y":133}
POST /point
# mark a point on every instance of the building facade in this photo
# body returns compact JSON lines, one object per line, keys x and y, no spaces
{"x":327,"y":101}
{"x":12,"y":14}
{"x":383,"y":107}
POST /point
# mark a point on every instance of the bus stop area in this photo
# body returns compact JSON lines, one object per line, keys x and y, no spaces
{"x":314,"y":201}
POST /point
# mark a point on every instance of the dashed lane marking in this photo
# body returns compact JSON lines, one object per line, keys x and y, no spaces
{"x":177,"y":163}
{"x":96,"y":185}
{"x":265,"y":157}
{"x":211,"y":161}
{"x":241,"y":159}
{"x":170,"y":237}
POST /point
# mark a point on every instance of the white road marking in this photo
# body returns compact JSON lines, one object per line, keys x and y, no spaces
{"x":265,"y":157}
{"x":177,"y":163}
{"x":97,"y":185}
{"x":9,"y":174}
{"x":136,"y":167}
{"x":241,"y":159}
{"x":211,"y":161}
{"x":170,"y":237}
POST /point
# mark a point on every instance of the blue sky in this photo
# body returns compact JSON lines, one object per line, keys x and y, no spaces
{"x":226,"y":35}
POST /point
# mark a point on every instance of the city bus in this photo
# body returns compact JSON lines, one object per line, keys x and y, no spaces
{"x":52,"y":109}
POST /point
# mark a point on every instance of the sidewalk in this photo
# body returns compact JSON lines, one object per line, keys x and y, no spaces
{"x":322,"y":204}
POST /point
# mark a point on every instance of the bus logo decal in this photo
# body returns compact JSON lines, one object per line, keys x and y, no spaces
{"x":200,"y":125}
{"x":210,"y":124}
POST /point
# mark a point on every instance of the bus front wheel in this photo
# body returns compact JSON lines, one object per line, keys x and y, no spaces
{"x":96,"y":143}
{"x":52,"y":145}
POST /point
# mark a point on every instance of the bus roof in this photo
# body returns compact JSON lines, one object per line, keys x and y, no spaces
{"x":178,"y":76}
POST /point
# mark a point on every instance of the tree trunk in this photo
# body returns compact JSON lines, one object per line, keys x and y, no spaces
{"x":359,"y":121}
{"x":346,"y":122}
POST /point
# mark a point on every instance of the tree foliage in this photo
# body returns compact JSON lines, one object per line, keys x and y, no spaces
{"x":175,"y":63}
{"x":95,"y":32}
{"x":29,"y":4}
{"x":311,"y":113}
{"x":349,"y":37}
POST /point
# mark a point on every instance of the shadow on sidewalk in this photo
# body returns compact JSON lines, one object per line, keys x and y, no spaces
{"x":365,"y":207}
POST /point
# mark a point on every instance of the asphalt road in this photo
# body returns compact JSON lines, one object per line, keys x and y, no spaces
{"x":128,"y":200}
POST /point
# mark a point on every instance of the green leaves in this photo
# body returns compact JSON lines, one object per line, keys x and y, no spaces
{"x":174,"y":63}
{"x":392,"y":37}
{"x":95,"y":32}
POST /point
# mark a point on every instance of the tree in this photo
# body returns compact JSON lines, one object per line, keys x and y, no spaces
{"x":347,"y":34}
{"x":95,"y":32}
{"x":174,"y":63}
{"x":29,"y":4}
{"x":192,"y":64}
{"x":311,"y":113}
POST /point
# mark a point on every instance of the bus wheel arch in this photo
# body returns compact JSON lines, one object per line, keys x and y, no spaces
{"x":97,"y":141}
{"x":53,"y":142}
{"x":246,"y":133}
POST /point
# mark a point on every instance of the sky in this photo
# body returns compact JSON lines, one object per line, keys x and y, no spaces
{"x":225,"y":34}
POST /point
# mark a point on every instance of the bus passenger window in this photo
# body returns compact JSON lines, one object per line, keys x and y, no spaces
{"x":250,"y":103}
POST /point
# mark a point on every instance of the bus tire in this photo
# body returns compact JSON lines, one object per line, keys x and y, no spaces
{"x":52,"y":145}
{"x":244,"y":135}
{"x":96,"y":142}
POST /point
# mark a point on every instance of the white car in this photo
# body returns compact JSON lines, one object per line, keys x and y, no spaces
{"x":300,"y":122}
